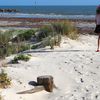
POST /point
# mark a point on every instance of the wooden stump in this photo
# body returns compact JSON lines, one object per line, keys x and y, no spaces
{"x":46,"y":81}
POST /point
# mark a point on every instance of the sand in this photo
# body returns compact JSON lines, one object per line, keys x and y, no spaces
{"x":75,"y":67}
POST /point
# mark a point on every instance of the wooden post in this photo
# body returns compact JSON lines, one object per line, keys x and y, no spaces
{"x":46,"y":81}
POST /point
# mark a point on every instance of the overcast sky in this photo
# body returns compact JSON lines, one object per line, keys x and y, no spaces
{"x":49,"y":2}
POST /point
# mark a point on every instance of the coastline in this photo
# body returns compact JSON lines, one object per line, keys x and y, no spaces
{"x":74,"y":64}
{"x":42,"y":19}
{"x":70,"y":64}
{"x":83,"y":25}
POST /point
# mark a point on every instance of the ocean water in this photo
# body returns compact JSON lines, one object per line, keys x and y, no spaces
{"x":61,"y":12}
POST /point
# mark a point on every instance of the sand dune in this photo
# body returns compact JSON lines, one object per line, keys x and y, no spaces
{"x":75,"y":67}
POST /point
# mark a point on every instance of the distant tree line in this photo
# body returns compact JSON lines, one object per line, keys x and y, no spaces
{"x":8,"y":10}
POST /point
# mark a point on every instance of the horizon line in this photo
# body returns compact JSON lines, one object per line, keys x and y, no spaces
{"x":48,"y":5}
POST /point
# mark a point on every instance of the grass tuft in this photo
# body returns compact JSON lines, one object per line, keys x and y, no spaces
{"x":66,"y":28}
{"x":4,"y":80}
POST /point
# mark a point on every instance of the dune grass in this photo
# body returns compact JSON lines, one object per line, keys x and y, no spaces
{"x":4,"y":80}
{"x":55,"y":30}
{"x":15,"y":41}
{"x":8,"y":46}
{"x":24,"y":35}
{"x":66,"y":28}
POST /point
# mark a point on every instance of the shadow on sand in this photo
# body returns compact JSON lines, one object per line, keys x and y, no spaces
{"x":46,"y":51}
{"x":33,"y":83}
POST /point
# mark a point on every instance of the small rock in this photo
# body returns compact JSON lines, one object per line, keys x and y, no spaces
{"x":81,"y":80}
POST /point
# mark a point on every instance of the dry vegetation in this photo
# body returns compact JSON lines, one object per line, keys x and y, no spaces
{"x":4,"y":80}
{"x":15,"y":41}
{"x":52,"y":33}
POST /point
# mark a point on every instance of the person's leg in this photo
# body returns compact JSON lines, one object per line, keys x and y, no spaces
{"x":98,"y":49}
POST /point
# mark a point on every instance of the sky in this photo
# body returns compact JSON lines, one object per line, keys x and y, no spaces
{"x":49,"y":2}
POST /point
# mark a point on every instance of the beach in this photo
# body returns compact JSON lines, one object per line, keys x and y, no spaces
{"x":74,"y":64}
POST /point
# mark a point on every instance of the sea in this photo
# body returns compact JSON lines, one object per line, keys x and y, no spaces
{"x":58,"y":12}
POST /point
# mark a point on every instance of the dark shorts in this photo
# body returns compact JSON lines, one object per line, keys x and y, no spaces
{"x":97,"y":29}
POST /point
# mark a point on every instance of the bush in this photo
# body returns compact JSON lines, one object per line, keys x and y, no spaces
{"x":23,"y":47}
{"x":4,"y":42}
{"x":25,"y":35}
{"x":15,"y":60}
{"x":40,"y":35}
{"x":4,"y":80}
{"x":34,"y":47}
{"x":8,"y":47}
{"x":23,"y":57}
{"x":65,"y":28}
{"x":20,"y":57}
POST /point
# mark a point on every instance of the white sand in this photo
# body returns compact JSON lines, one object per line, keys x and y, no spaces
{"x":75,"y":67}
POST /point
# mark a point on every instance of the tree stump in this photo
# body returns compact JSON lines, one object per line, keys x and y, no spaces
{"x":46,"y":81}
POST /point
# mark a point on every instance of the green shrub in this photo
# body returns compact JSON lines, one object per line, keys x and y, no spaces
{"x":25,"y":35}
{"x":8,"y":47}
{"x":23,"y":47}
{"x":22,"y":57}
{"x":4,"y":80}
{"x":15,"y":60}
{"x":40,"y":35}
{"x":34,"y":47}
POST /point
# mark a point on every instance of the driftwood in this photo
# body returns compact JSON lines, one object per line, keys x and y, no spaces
{"x":35,"y":89}
{"x":43,"y":83}
{"x":46,"y":81}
